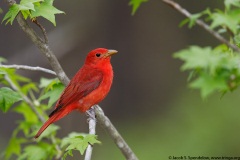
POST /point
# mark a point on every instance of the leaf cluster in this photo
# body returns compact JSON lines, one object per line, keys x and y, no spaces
{"x":211,"y":69}
{"x":32,"y":9}
{"x":214,"y":69}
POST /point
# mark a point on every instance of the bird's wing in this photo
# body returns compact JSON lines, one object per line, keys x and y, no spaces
{"x":81,"y":85}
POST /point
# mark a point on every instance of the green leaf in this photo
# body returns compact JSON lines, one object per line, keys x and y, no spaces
{"x":14,"y":147}
{"x":229,"y":3}
{"x":28,"y":4}
{"x":11,"y":14}
{"x":195,"y":57}
{"x":48,"y":83}
{"x":136,"y":4}
{"x":46,"y":10}
{"x":2,"y":60}
{"x":1,"y":11}
{"x":29,"y":87}
{"x":193,"y":18}
{"x":76,"y":141}
{"x":209,"y":84}
{"x":26,"y":111}
{"x":222,"y":19}
{"x":69,"y":152}
{"x":184,"y":22}
{"x":53,"y":94}
{"x":40,"y":151}
{"x":7,"y":98}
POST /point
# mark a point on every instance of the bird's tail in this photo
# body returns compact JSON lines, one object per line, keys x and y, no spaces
{"x":57,"y":114}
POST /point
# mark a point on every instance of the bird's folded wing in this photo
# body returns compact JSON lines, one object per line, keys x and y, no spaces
{"x":80,"y":86}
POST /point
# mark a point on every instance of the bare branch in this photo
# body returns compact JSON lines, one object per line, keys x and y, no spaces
{"x":42,"y":29}
{"x":184,"y":12}
{"x":92,"y":130}
{"x":24,"y":67}
{"x":114,"y":134}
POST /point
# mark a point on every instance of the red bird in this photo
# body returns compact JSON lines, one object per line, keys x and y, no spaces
{"x":88,"y":87}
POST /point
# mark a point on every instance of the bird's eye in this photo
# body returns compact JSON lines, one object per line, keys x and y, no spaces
{"x":98,"y":54}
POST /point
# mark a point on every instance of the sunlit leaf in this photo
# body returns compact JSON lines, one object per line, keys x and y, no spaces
{"x":79,"y":142}
{"x":46,"y":10}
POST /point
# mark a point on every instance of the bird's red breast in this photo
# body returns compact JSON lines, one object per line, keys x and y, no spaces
{"x":88,"y":87}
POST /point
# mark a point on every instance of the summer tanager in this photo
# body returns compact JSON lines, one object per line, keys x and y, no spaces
{"x":88,"y":87}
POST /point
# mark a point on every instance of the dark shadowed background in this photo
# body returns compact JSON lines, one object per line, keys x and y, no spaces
{"x":149,"y":102}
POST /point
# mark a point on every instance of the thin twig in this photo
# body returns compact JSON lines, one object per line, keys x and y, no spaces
{"x":114,"y":134}
{"x":42,"y":29}
{"x":184,"y":12}
{"x":25,"y":67}
{"x":92,"y":130}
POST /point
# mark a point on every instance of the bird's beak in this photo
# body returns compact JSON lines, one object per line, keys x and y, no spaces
{"x":110,"y":52}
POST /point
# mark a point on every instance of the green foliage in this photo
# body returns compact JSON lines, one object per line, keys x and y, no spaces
{"x":33,"y":9}
{"x":38,"y":152}
{"x":47,"y":89}
{"x":79,"y":142}
{"x":53,"y":90}
{"x":224,"y":21}
{"x":14,"y":147}
{"x":7,"y":98}
{"x":136,"y":4}
{"x":213,"y":69}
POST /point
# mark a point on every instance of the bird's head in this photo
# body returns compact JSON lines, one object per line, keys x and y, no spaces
{"x":99,"y":55}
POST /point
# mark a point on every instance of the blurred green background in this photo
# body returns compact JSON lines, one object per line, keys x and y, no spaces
{"x":149,"y":102}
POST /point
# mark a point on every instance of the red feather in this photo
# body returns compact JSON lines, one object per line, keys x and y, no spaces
{"x":88,"y":87}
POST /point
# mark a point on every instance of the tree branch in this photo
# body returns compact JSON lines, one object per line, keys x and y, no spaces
{"x":46,"y":52}
{"x":44,"y":48}
{"x":92,"y":130}
{"x":24,"y":67}
{"x":114,"y":134}
{"x":199,"y":22}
